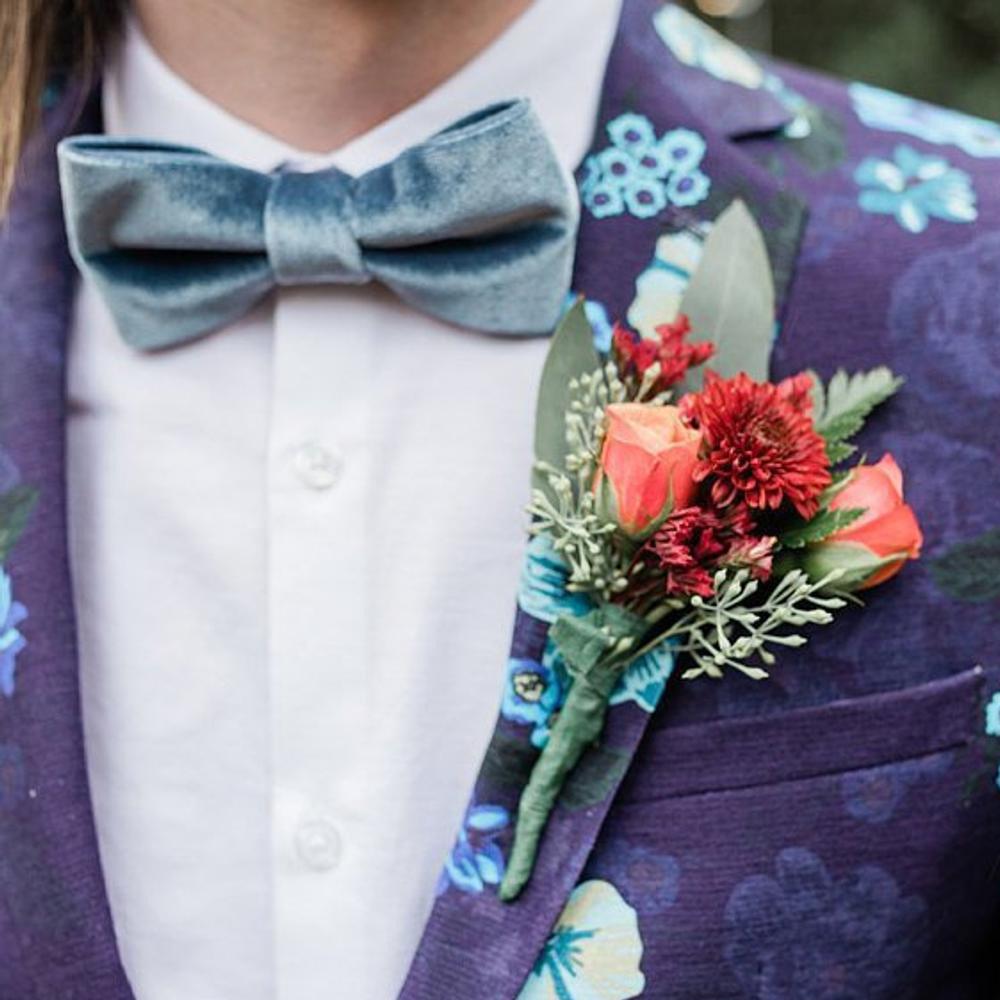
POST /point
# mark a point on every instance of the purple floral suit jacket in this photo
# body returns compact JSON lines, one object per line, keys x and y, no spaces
{"x":831,"y":834}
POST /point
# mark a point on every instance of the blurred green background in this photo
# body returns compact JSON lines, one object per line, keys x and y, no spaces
{"x":945,"y":51}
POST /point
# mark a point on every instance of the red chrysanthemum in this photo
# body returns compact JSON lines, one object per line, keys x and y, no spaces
{"x":686,"y":548}
{"x":760,"y":444}
{"x":691,"y":544}
{"x":635,"y":354}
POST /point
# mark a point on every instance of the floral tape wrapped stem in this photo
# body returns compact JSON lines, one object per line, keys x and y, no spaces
{"x":596,"y":648}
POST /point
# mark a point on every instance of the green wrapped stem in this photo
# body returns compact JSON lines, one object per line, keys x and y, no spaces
{"x":579,"y":724}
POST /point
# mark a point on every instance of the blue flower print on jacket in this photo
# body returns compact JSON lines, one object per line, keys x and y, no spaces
{"x":648,"y":879}
{"x":993,"y":715}
{"x":882,"y":109}
{"x":533,"y":693}
{"x":915,"y":188}
{"x":873,"y":794}
{"x":992,"y":725}
{"x":542,"y":591}
{"x":12,"y":613}
{"x":641,"y":173}
{"x":695,"y":44}
{"x":802,"y":933}
{"x":476,"y":860}
{"x":594,"y":953}
{"x":661,"y":286}
{"x":645,"y":680}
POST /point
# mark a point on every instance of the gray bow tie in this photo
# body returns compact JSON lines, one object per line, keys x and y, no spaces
{"x":475,"y":226}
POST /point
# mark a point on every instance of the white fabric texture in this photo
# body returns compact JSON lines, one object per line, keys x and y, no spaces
{"x":296,"y":545}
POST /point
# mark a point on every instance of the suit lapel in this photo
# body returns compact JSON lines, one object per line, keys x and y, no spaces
{"x":474,"y":945}
{"x":56,"y":938}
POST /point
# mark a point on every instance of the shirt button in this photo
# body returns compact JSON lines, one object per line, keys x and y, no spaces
{"x":318,"y":845}
{"x":318,"y":467}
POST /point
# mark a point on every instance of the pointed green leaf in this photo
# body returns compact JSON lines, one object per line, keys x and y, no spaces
{"x":571,"y":355}
{"x":849,"y":400}
{"x":15,"y":508}
{"x":839,"y":451}
{"x":730,"y":300}
{"x":824,"y":524}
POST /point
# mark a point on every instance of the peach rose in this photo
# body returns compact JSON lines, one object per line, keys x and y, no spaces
{"x":647,"y":465}
{"x":874,"y":548}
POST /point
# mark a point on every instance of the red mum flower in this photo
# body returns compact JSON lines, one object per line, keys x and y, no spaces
{"x":635,"y":354}
{"x":691,"y":544}
{"x":761,"y":446}
{"x":686,"y":548}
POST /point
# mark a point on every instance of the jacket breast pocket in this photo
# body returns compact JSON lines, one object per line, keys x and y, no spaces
{"x":844,"y":851}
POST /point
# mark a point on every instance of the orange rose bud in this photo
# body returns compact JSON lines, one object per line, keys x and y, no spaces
{"x":874,"y":547}
{"x":647,"y":465}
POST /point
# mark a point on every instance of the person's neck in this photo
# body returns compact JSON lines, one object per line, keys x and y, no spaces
{"x":317,"y":73}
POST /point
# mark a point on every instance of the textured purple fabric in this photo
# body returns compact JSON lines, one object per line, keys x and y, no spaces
{"x":56,"y":939}
{"x":831,"y":834}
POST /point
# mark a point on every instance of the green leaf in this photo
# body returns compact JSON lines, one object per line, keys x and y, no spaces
{"x":818,"y":392}
{"x":839,"y":451}
{"x":571,"y":355}
{"x":15,"y":508}
{"x":730,"y":300}
{"x":849,"y":400}
{"x":595,"y":640}
{"x":970,"y":571}
{"x":824,"y":524}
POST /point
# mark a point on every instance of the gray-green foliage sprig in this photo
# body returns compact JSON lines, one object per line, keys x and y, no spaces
{"x":567,"y":511}
{"x":727,"y":630}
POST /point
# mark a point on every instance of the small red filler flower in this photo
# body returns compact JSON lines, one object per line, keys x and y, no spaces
{"x":635,"y":354}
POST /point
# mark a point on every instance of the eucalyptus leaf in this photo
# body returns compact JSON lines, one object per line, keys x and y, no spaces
{"x":571,"y":355}
{"x":730,"y":300}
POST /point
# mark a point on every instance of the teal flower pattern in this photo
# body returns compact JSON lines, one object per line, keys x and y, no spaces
{"x":993,"y":715}
{"x":476,"y":860}
{"x":12,"y":614}
{"x":594,"y":953}
{"x":645,"y":680}
{"x":915,"y":188}
{"x":992,"y":726}
{"x":882,"y":109}
{"x":695,"y":44}
{"x":661,"y":286}
{"x":640,"y":173}
{"x":533,"y":693}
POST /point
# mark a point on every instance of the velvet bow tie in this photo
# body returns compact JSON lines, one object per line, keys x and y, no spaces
{"x":475,"y":226}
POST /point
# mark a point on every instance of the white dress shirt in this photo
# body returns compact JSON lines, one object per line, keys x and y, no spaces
{"x":296,"y":546}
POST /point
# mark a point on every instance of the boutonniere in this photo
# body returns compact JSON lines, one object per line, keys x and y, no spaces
{"x":695,"y":503}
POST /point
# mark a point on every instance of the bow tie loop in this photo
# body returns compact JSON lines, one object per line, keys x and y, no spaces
{"x":475,"y":226}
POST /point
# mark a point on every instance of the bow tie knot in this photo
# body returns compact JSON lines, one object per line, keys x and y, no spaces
{"x":308,"y":230}
{"x":475,"y":226}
